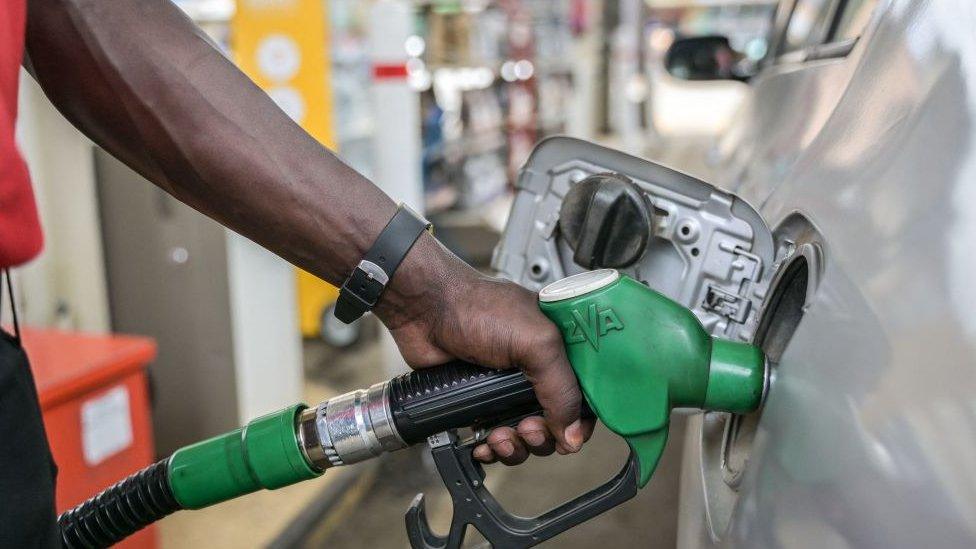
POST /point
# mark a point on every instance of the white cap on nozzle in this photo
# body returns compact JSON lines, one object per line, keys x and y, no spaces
{"x":578,"y":284}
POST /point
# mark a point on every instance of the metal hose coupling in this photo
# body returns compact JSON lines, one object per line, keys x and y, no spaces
{"x":349,"y":428}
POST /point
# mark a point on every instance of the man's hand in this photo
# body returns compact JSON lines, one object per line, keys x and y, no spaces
{"x":439,"y":309}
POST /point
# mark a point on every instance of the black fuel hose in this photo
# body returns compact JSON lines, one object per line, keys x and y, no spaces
{"x":120,"y":510}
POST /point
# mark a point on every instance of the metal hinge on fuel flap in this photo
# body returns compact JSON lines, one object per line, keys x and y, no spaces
{"x":731,"y":306}
{"x":731,"y":296}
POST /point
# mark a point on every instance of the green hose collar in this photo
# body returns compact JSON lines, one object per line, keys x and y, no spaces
{"x":263,"y":454}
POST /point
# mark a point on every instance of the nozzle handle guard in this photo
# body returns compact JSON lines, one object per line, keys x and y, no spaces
{"x":475,"y":506}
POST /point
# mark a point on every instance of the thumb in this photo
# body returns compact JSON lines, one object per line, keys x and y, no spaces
{"x":546,"y":366}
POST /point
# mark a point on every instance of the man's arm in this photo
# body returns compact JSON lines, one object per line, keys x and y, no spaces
{"x":142,"y":81}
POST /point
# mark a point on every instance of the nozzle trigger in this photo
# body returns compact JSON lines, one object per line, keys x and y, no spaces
{"x":475,"y":506}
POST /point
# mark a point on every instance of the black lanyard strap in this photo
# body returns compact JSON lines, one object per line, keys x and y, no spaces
{"x":13,"y":304}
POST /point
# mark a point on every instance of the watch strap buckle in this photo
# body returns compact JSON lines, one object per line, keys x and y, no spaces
{"x":360,"y":292}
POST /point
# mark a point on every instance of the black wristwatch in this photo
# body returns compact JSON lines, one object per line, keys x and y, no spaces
{"x":363,"y":288}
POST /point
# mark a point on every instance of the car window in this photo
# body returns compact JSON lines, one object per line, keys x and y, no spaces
{"x":806,"y":24}
{"x":853,"y":18}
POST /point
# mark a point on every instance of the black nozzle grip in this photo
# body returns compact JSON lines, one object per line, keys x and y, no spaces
{"x":458,"y":394}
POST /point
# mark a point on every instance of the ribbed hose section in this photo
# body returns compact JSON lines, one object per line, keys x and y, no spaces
{"x":120,"y":510}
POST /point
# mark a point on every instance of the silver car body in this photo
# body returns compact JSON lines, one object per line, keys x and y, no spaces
{"x":868,"y":437}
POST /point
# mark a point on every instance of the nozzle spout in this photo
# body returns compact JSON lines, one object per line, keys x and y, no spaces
{"x":736,"y":377}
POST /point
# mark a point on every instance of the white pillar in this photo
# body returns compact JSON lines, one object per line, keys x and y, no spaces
{"x":264,"y":322}
{"x":396,"y":106}
{"x":586,"y":50}
{"x":627,"y":86}
{"x":396,"y":120}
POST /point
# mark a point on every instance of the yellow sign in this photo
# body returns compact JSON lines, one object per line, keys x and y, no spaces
{"x":283,"y":45}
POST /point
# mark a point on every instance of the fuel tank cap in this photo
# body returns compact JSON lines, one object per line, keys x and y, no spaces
{"x":606,"y":221}
{"x":578,"y":284}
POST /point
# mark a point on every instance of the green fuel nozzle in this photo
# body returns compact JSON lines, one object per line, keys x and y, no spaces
{"x":636,"y":353}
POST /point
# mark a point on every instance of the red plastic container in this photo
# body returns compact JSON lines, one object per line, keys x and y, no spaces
{"x":95,"y":405}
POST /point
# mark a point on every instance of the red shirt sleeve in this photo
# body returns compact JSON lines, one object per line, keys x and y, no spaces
{"x":20,"y":229}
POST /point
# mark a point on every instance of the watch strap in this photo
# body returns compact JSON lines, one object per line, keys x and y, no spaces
{"x":361,"y":291}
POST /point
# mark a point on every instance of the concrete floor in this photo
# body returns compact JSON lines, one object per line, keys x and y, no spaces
{"x":370,"y":513}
